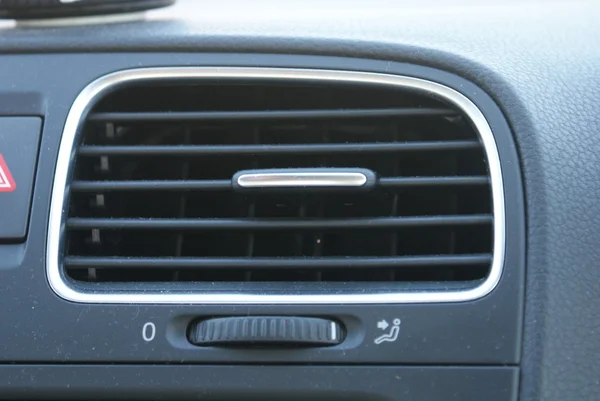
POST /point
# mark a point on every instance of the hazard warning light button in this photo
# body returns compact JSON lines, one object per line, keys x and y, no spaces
{"x":19,"y":143}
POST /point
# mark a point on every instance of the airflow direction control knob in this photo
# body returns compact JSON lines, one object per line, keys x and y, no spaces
{"x":266,"y":331}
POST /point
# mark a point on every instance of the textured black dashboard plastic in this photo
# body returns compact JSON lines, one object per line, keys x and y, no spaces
{"x":538,"y":59}
{"x":258,"y":383}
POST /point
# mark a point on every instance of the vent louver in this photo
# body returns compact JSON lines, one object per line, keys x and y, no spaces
{"x":151,"y":198}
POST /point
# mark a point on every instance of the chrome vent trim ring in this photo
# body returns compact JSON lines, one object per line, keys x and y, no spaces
{"x":87,"y":97}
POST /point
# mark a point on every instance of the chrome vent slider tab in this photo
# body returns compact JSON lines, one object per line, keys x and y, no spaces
{"x":305,"y":178}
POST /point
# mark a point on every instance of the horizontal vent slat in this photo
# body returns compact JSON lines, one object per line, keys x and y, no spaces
{"x":299,"y":149}
{"x":396,"y":182}
{"x":277,"y":224}
{"x":268,"y":114}
{"x":104,"y":186}
{"x":214,"y":185}
{"x":283,"y":263}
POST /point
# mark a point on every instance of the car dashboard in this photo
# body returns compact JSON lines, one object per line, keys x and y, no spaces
{"x":317,"y":200}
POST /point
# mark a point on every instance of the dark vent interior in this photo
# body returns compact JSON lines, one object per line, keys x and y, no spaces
{"x":151,"y":198}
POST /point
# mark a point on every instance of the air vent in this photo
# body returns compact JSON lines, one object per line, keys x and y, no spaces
{"x":151,"y":200}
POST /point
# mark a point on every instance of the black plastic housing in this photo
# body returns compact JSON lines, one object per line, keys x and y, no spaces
{"x":51,"y":330}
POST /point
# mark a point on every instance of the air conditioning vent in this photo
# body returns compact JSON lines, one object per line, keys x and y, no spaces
{"x":151,"y":201}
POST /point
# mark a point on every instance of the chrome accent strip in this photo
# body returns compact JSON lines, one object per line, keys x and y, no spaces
{"x":81,"y":106}
{"x":301,"y":179}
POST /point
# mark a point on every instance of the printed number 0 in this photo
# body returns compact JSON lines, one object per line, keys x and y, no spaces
{"x":149,"y":332}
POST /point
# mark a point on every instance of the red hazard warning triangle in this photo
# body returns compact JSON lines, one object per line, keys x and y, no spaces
{"x":7,"y":184}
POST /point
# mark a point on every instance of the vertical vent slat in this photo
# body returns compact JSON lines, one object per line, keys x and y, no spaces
{"x":185,"y":171}
{"x":252,"y":205}
{"x":394,"y":208}
{"x":318,"y":237}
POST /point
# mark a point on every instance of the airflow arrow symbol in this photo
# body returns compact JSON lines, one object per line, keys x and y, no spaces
{"x":382,"y":324}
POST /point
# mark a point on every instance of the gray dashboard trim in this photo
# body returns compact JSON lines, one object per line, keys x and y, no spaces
{"x":87,"y":97}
